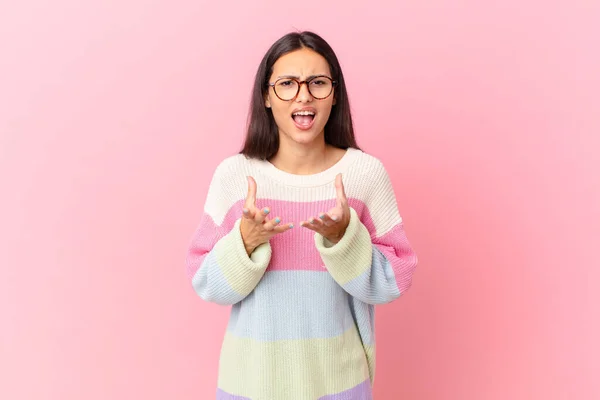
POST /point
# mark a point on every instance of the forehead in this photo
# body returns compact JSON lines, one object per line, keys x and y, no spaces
{"x":301,"y":63}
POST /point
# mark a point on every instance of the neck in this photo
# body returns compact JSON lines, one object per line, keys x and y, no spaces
{"x":303,"y":159}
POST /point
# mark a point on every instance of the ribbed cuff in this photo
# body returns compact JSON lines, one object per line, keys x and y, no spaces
{"x":260,"y":257}
{"x":242,"y":272}
{"x":352,"y":255}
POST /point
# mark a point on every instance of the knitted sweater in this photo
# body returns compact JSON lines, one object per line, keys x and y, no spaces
{"x":302,"y":323}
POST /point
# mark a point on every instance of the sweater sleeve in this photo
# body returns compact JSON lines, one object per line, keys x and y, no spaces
{"x":217,"y":263}
{"x":373,"y":267}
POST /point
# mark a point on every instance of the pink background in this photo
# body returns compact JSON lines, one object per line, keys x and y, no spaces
{"x":113,"y":115}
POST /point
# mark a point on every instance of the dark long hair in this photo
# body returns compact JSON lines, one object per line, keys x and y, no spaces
{"x":262,"y":137}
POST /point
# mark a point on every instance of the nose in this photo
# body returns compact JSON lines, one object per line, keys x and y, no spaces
{"x":304,"y":95}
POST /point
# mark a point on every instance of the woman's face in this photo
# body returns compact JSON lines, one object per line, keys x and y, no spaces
{"x":300,"y":64}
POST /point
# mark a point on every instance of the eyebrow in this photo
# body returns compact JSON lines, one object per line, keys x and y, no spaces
{"x":297,"y":77}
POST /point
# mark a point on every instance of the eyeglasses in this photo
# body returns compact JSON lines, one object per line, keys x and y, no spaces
{"x":320,"y":87}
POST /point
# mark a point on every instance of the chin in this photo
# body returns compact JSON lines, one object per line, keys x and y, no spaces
{"x":303,"y":137}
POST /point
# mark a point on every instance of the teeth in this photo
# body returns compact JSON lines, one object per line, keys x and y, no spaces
{"x":304,"y":113}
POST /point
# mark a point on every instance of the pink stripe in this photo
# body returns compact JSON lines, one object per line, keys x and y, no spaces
{"x":397,"y":250}
{"x":207,"y":234}
{"x":295,"y":249}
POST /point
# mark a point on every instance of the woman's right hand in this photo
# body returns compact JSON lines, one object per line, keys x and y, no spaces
{"x":256,"y":227}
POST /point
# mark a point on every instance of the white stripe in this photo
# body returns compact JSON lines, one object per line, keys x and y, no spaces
{"x":364,"y":178}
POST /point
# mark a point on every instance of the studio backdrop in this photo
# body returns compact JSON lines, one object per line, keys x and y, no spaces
{"x":114,"y":114}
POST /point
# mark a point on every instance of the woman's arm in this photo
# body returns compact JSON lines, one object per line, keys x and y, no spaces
{"x":217,"y":262}
{"x":374,"y":260}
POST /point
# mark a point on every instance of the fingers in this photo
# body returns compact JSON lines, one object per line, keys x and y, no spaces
{"x":270,"y":224}
{"x":314,"y":223}
{"x":261,"y":215}
{"x":273,"y":225}
{"x":249,"y":213}
{"x":324,"y":220}
{"x":330,"y":219}
{"x":283,"y":228}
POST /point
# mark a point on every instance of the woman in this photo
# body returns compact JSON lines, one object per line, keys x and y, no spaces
{"x":301,"y":234}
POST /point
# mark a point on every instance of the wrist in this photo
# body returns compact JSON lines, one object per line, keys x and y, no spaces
{"x":335,"y":239}
{"x":247,"y":245}
{"x":249,"y":249}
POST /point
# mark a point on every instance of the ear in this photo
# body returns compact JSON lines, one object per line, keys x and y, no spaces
{"x":267,"y":101}
{"x":334,"y":101}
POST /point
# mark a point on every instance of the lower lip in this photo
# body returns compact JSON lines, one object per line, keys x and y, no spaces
{"x":304,"y":127}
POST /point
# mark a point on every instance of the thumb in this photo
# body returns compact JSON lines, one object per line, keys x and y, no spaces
{"x":340,"y":192}
{"x":251,"y":198}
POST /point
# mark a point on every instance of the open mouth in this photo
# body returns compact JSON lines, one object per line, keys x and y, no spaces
{"x":303,"y":119}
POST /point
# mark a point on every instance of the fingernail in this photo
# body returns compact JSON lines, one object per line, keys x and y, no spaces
{"x":245,"y":211}
{"x":322,"y":216}
{"x":291,"y":225}
{"x":277,"y":220}
{"x":266,"y":210}
{"x":334,"y":217}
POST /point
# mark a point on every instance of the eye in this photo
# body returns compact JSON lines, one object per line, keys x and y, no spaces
{"x":285,"y":82}
{"x":318,"y":82}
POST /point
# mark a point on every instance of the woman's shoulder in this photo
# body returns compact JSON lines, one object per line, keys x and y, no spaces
{"x":232,"y":161}
{"x":228,"y":184}
{"x":233,"y":164}
{"x":368,"y":164}
{"x":368,"y":178}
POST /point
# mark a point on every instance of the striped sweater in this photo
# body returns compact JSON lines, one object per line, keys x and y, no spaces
{"x":301,"y":325}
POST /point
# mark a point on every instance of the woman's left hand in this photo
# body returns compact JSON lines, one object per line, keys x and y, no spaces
{"x":332,"y":224}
